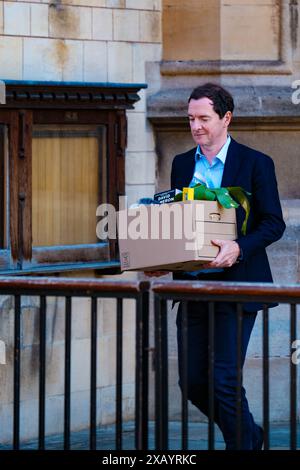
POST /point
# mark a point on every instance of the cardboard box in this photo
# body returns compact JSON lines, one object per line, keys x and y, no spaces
{"x":173,"y":237}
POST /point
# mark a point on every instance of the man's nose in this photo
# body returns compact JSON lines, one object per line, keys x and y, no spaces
{"x":197,"y":124}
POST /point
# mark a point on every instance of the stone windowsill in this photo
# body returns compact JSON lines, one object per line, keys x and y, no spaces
{"x":211,"y":67}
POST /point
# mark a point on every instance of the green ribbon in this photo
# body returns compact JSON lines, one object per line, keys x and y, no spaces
{"x":230,"y":197}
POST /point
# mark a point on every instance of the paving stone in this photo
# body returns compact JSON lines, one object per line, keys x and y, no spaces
{"x":279,"y":438}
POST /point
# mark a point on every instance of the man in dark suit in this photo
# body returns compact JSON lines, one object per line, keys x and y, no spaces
{"x":217,"y":161}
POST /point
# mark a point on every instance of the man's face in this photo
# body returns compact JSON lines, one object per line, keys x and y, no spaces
{"x":206,"y":125}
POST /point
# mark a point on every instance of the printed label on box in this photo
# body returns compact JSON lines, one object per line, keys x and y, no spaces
{"x":125,"y":259}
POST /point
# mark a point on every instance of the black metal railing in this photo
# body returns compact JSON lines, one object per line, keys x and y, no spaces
{"x":184,"y":291}
{"x":213,"y":292}
{"x":92,"y":289}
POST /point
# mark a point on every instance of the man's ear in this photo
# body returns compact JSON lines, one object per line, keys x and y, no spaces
{"x":227,"y":118}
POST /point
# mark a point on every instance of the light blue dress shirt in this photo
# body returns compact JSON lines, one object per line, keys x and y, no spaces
{"x":210,"y":175}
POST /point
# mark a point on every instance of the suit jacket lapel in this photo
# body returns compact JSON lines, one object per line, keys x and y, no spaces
{"x":232,"y":164}
{"x":190,"y":167}
{"x":188,"y":170}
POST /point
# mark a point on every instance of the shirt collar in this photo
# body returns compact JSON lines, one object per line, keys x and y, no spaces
{"x":221,"y":155}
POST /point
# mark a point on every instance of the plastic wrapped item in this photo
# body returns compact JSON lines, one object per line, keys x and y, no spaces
{"x":147,"y":201}
{"x":144,"y":201}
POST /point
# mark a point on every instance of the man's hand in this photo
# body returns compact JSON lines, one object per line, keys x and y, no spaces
{"x":155,"y":273}
{"x":228,"y":254}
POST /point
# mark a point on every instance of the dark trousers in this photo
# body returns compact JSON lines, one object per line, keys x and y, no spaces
{"x":225,"y":369}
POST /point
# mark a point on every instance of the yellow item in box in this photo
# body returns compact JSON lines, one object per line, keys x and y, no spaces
{"x":188,"y":194}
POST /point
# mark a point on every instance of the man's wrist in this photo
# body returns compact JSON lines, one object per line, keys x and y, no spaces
{"x":240,"y":255}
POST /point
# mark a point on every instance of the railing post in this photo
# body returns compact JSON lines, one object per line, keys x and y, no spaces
{"x":142,"y":368}
{"x":184,"y":376}
{"x":17,"y":368}
{"x":93,"y":403}
{"x":239,"y":377}
{"x":119,"y":374}
{"x":161,"y":374}
{"x":266,"y":391}
{"x":42,"y":378}
{"x":293,"y":384}
{"x":211,"y":376}
{"x":67,"y":401}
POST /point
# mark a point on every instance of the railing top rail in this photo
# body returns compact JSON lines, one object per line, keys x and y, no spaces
{"x":71,"y":286}
{"x":236,"y":289}
{"x":173,"y":289}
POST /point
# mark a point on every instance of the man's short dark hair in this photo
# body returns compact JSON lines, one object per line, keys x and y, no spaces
{"x":221,"y":98}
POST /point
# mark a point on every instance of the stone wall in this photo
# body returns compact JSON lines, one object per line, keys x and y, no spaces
{"x":84,"y":41}
{"x":221,"y":29}
{"x":253,"y":49}
{"x":89,"y":41}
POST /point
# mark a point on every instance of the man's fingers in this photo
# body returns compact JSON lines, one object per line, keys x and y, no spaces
{"x":155,"y":273}
{"x":206,"y":266}
{"x":217,"y":242}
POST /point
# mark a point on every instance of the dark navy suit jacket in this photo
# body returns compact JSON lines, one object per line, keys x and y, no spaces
{"x":255,"y":172}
